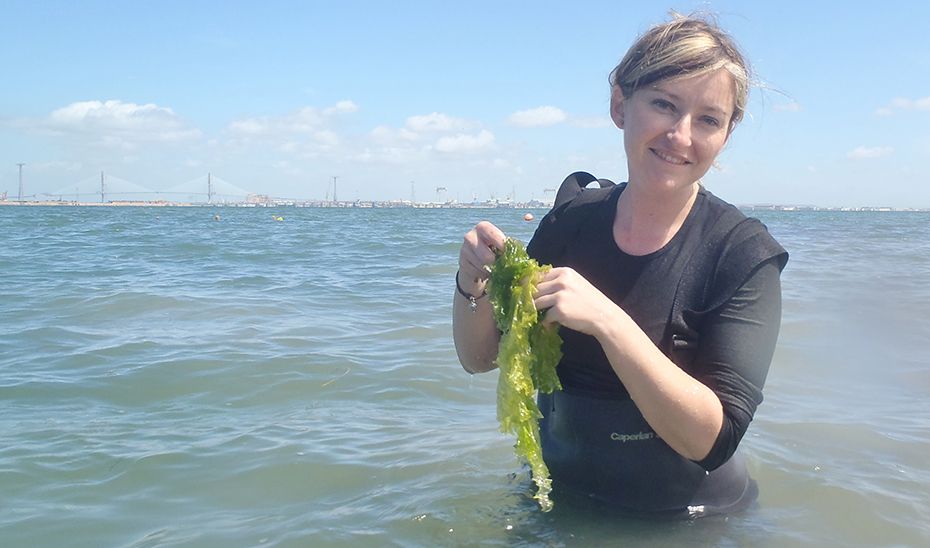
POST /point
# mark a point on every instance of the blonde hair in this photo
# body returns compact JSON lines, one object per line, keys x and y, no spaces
{"x":685,"y":46}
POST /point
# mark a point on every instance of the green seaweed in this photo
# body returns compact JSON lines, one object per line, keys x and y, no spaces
{"x":527,"y":357}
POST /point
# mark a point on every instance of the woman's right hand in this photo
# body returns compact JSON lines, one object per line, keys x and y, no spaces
{"x":476,"y":254}
{"x":473,"y":326}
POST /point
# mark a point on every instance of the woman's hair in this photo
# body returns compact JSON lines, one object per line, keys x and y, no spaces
{"x":685,"y":46}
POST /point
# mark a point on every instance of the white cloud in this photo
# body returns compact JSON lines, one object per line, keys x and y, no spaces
{"x":287,"y":167}
{"x":326,"y":138}
{"x":341,"y":107}
{"x":901,"y":103}
{"x":437,"y":121}
{"x":465,"y":143}
{"x":388,"y":155}
{"x":405,"y":145}
{"x":537,"y":117}
{"x":386,"y":135}
{"x":863,"y":152}
{"x":251,"y":126}
{"x":312,"y":145}
{"x":911,"y":104}
{"x":305,"y":120}
{"x":114,"y":122}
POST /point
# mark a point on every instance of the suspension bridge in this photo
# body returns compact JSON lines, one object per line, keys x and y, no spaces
{"x":108,"y":188}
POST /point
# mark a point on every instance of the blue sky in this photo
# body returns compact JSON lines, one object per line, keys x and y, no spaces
{"x":481,"y":98}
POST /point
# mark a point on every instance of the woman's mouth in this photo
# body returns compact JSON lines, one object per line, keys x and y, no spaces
{"x":669,"y":157}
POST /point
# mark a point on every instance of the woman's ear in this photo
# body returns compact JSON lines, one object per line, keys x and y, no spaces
{"x":617,"y":103}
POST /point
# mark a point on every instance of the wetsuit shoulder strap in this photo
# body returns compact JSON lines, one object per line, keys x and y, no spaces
{"x":574,"y":184}
{"x":574,"y":206}
{"x":721,"y":258}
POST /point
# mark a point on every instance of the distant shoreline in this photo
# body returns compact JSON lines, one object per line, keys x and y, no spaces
{"x":403,"y":204}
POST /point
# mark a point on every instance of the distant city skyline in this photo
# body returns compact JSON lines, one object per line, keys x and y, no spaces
{"x":484,"y":99}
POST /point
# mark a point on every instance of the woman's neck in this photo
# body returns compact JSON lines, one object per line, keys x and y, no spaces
{"x":646,"y":220}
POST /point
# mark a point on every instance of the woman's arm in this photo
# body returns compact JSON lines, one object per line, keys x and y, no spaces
{"x":735,"y":352}
{"x":474,"y":330}
{"x":704,"y":419}
{"x":686,"y":414}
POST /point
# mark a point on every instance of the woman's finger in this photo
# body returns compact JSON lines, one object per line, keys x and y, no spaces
{"x":492,"y":236}
{"x":542,"y":302}
{"x":550,"y":316}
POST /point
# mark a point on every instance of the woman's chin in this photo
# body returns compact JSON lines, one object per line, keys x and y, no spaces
{"x":667,"y":184}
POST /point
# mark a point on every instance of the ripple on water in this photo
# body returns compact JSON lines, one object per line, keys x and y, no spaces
{"x":170,"y":379}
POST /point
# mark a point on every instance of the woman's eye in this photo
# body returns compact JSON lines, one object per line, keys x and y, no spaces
{"x":711,"y":121}
{"x":663,"y":104}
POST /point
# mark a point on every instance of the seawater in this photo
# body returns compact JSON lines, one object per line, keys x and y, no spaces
{"x":168,"y":379}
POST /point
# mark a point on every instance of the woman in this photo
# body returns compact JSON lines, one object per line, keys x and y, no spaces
{"x":668,"y":298}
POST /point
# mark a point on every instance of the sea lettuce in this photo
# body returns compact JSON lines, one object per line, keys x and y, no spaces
{"x":527,"y":357}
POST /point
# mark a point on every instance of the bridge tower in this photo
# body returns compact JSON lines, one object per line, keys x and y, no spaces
{"x":20,"y":181}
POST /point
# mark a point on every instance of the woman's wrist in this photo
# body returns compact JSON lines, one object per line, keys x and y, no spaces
{"x":470,"y":286}
{"x":613,"y":322}
{"x":472,"y":292}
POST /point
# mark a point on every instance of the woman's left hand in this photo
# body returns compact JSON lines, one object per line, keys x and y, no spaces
{"x":572,"y":301}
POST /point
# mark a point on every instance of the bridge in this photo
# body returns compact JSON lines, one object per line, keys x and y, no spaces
{"x":105,"y":188}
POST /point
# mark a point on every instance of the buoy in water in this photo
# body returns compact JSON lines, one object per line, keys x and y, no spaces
{"x":528,"y":217}
{"x":277,"y":218}
{"x":216,"y":217}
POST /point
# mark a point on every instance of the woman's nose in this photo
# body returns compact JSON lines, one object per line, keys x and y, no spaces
{"x":680,"y":133}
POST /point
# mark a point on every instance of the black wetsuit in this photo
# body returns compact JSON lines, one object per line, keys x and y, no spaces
{"x":710,"y":300}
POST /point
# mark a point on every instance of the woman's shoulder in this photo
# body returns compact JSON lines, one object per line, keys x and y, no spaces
{"x":715,"y":207}
{"x":720,"y":253}
{"x":731,"y":225}
{"x":734,"y":245}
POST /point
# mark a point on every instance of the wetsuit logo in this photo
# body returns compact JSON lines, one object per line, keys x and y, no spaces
{"x":639,"y":436}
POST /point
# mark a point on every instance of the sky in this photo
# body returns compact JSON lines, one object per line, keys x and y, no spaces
{"x":442,"y":100}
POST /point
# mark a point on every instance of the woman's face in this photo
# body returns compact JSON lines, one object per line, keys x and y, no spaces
{"x":674,"y":129}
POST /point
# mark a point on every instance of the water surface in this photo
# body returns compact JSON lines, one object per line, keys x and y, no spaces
{"x":167,"y":379}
